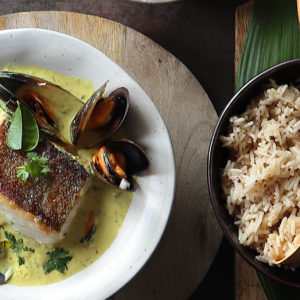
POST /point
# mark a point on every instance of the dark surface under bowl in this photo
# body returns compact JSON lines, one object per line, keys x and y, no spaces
{"x":286,"y":72}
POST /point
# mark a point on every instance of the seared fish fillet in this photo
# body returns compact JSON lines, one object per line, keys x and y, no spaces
{"x":41,"y":209}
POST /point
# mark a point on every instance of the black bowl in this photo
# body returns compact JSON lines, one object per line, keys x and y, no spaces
{"x":286,"y":72}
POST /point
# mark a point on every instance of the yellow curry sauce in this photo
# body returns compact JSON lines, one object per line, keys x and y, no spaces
{"x":110,"y":207}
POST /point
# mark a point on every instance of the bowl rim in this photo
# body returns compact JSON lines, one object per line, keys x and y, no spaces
{"x":260,"y":266}
{"x":158,"y":233}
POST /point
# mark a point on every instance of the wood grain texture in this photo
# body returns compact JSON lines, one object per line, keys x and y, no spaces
{"x":246,"y":284}
{"x":242,"y":19}
{"x":192,"y":236}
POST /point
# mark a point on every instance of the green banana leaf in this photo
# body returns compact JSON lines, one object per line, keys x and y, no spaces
{"x":273,"y":37}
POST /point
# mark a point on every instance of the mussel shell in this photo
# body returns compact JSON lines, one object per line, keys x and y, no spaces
{"x":8,"y":101}
{"x":136,"y":161}
{"x":88,"y":138}
{"x":82,"y":117}
{"x":48,"y":97}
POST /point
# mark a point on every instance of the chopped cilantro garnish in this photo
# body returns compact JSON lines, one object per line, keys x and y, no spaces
{"x":28,"y":249}
{"x":34,"y":168}
{"x":58,"y":260}
{"x":16,"y":245}
{"x":21,"y":261}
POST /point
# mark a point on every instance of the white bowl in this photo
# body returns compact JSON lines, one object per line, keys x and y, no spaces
{"x":150,"y":208}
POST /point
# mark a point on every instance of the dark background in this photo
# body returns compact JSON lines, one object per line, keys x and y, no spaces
{"x":200,"y":34}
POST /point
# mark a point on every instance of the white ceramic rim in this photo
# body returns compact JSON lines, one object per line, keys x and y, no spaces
{"x":83,"y":285}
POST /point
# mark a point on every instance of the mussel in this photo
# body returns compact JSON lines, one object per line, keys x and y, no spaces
{"x":100,"y":117}
{"x":95,"y":121}
{"x":6,"y":275}
{"x":41,"y":97}
{"x":117,"y":161}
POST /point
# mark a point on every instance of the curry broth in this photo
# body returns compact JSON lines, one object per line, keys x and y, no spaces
{"x":109,"y":205}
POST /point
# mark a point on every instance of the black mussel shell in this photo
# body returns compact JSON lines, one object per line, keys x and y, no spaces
{"x":86,"y":137}
{"x":136,"y":162}
{"x":8,"y":101}
{"x":41,"y":96}
{"x":80,"y":120}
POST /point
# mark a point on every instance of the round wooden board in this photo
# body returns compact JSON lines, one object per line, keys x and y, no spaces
{"x":192,"y":236}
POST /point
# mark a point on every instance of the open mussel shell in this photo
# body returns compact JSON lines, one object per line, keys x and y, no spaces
{"x":45,"y":99}
{"x":100,"y":117}
{"x":117,"y":161}
{"x":8,"y":101}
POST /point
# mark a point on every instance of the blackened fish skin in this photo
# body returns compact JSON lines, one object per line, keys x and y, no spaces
{"x":50,"y":198}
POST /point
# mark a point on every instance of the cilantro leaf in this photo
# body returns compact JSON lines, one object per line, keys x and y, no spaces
{"x":21,"y":261}
{"x":15,"y":245}
{"x":28,"y":249}
{"x":58,"y":260}
{"x":22,"y":173}
{"x":19,"y":246}
{"x":31,"y":155}
{"x":36,"y":166}
{"x":12,"y":240}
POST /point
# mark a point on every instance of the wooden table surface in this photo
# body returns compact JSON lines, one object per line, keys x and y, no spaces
{"x":192,"y":236}
{"x":201,"y":35}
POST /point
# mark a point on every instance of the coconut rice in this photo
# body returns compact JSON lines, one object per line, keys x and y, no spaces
{"x":261,"y":183}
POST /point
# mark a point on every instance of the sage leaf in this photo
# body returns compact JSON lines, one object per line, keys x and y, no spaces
{"x":15,"y":131}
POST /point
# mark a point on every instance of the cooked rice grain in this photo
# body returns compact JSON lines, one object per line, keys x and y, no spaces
{"x":262,"y":183}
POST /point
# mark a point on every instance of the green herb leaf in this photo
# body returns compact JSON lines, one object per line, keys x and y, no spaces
{"x":22,"y":173}
{"x":30,"y":136}
{"x":12,"y":240}
{"x":23,"y":132}
{"x":21,"y":261}
{"x":273,"y":36}
{"x":15,"y":245}
{"x":31,"y":155}
{"x":58,"y":260}
{"x":15,"y":131}
{"x":34,"y":168}
{"x":28,"y":249}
